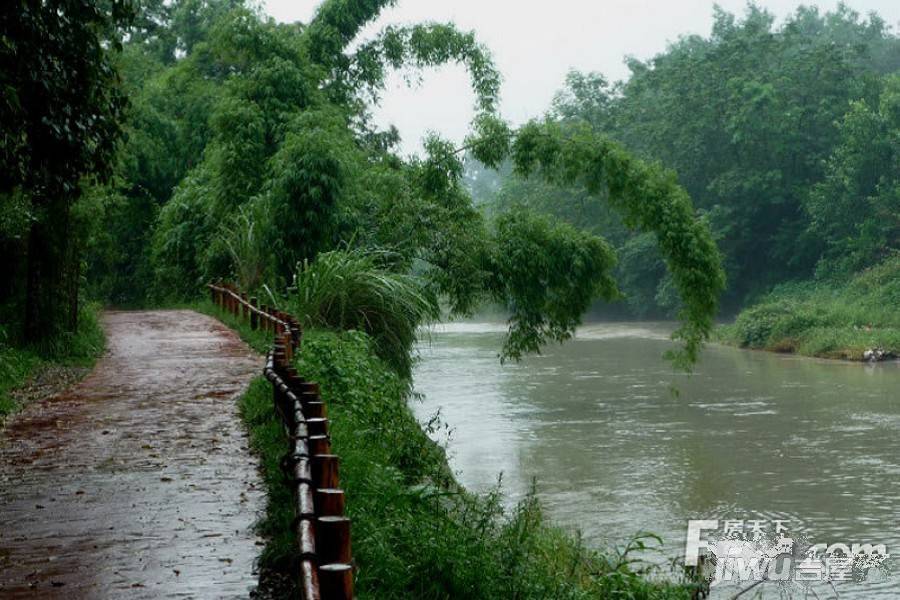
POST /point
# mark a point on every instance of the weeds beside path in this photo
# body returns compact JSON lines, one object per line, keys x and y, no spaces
{"x":31,"y":374}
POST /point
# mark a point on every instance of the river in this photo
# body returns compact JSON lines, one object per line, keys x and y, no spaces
{"x":749,"y":436}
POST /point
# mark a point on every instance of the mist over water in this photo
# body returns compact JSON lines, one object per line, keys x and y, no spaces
{"x":750,"y":435}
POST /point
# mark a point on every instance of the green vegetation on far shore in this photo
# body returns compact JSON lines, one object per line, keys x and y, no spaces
{"x":416,"y":532}
{"x":826,"y":319}
{"x":19,"y":364}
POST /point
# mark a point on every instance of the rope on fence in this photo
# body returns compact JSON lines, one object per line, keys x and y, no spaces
{"x":322,"y":530}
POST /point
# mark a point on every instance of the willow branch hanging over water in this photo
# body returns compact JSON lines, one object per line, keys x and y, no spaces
{"x":649,"y":199}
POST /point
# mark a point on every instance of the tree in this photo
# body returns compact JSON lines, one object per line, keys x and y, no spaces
{"x":747,"y":117}
{"x":855,"y":209}
{"x":292,"y":168}
{"x":59,"y":118}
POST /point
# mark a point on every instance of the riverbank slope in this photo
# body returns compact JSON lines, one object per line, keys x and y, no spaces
{"x":827,"y":319}
{"x":416,"y":531}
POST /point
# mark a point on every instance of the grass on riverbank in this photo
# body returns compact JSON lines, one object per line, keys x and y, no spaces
{"x":416,"y":532}
{"x":829,"y":320}
{"x":19,"y":364}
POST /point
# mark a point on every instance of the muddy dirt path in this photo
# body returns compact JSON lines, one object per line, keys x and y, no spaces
{"x":137,"y":482}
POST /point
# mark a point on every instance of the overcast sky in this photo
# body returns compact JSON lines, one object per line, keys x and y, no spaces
{"x":535,"y":44}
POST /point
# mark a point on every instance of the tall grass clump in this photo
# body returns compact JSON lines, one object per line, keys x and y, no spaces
{"x":245,"y":239}
{"x":356,"y":290}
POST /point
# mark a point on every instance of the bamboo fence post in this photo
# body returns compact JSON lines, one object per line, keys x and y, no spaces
{"x":319,"y":444}
{"x":336,"y":581}
{"x":329,"y":502}
{"x":333,"y":539}
{"x":325,"y":471}
{"x":317,"y":426}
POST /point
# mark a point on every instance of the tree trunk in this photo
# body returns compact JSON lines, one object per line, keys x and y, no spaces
{"x":47,"y":297}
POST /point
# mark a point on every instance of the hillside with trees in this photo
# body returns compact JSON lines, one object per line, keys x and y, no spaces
{"x":784,"y":134}
{"x":247,"y":147}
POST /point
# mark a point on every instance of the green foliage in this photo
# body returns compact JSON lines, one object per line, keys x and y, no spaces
{"x":179,"y":239}
{"x":164,"y":29}
{"x":782,"y":321}
{"x":336,"y":23}
{"x":439,"y":174}
{"x":245,"y":237}
{"x":749,"y":117}
{"x":16,"y":214}
{"x":546,"y":274}
{"x":236,"y":153}
{"x":354,"y":289}
{"x":272,"y":140}
{"x":832,"y":320}
{"x":117,"y":242}
{"x":649,"y":199}
{"x":16,"y":365}
{"x":490,"y":140}
{"x":60,"y":112}
{"x":586,"y":97}
{"x":78,"y":348}
{"x":308,"y":178}
{"x":289,"y":167}
{"x":61,"y":105}
{"x":856,"y":208}
{"x":575,"y":265}
{"x":755,"y":120}
{"x":641,"y":274}
{"x":423,"y":46}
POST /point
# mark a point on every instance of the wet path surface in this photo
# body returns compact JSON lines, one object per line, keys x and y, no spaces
{"x":137,"y":482}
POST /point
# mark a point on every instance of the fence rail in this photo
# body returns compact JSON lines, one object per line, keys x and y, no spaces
{"x":322,"y":530}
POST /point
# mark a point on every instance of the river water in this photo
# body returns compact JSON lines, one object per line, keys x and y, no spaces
{"x":750,"y":436}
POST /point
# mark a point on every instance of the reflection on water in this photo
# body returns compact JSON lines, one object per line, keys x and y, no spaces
{"x":750,"y":435}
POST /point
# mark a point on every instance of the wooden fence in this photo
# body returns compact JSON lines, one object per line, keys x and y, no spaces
{"x":322,"y":531}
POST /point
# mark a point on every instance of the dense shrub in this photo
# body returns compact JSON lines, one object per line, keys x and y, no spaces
{"x":826,"y":318}
{"x":772,"y":322}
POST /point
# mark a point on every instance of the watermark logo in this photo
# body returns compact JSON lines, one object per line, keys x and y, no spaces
{"x":757,"y":551}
